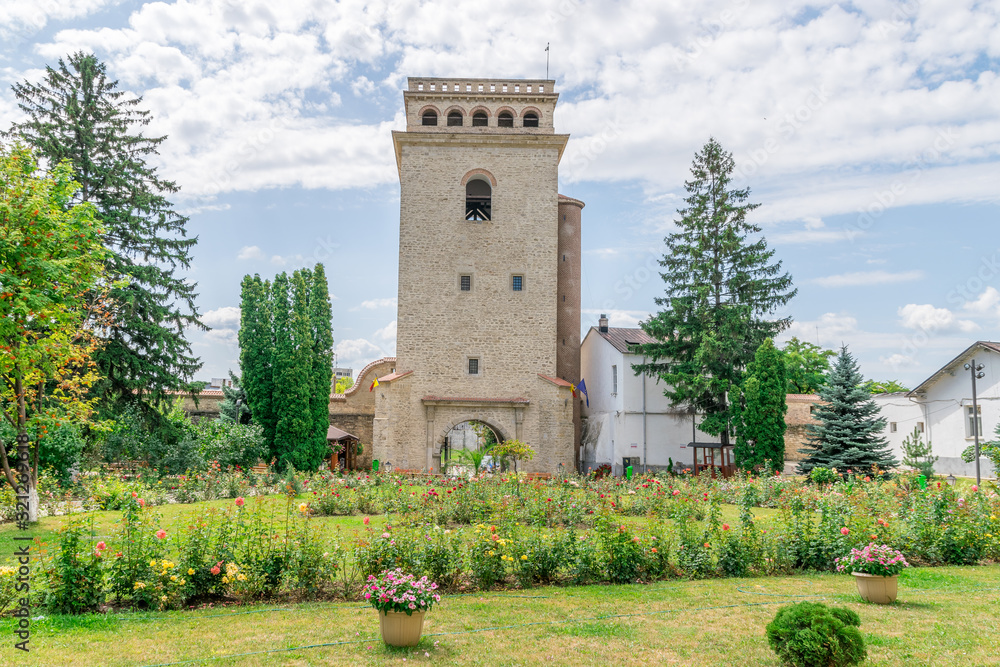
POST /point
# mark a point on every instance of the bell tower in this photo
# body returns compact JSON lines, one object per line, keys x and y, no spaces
{"x":488,"y":316}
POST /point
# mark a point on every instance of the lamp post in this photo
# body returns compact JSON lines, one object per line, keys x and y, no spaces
{"x":977,"y":373}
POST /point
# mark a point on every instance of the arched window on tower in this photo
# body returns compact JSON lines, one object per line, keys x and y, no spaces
{"x":454,"y":119}
{"x":479,"y":119}
{"x":505,"y":119}
{"x":531,"y":119}
{"x":478,"y":200}
{"x":430,"y":117}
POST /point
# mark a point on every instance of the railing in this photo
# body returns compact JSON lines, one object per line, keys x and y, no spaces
{"x":483,"y":86}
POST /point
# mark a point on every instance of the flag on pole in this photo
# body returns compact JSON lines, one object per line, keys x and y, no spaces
{"x":374,"y":384}
{"x":582,"y":388}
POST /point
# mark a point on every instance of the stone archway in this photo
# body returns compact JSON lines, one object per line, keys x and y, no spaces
{"x":441,"y":442}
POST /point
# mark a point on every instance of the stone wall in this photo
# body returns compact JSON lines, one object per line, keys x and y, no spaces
{"x":797,"y":418}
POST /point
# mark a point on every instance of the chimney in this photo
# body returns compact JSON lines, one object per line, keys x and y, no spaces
{"x":602,"y":324}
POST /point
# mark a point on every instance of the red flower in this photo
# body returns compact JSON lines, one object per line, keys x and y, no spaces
{"x":239,"y":501}
{"x":101,"y":546}
{"x":216,"y":570}
{"x":160,"y":534}
{"x":725,"y":526}
{"x":844,"y":531}
{"x":367,"y":521}
{"x":142,"y":503}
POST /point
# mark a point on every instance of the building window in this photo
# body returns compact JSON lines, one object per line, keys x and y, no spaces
{"x":892,"y":427}
{"x":454,"y":119}
{"x":429,"y":118}
{"x":614,"y":380}
{"x":517,"y":283}
{"x":465,"y":282}
{"x":920,"y":427}
{"x":531,"y":120}
{"x":479,"y":119}
{"x":973,"y":421}
{"x":478,"y":200}
{"x":473,"y":366}
{"x":505,"y":119}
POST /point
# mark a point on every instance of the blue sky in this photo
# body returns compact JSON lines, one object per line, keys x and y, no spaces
{"x":869,"y":131}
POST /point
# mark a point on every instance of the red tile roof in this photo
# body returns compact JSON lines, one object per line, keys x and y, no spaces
{"x":559,"y":382}
{"x":393,"y":376}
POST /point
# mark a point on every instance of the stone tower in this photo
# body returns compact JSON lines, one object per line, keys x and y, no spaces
{"x":488,"y":322}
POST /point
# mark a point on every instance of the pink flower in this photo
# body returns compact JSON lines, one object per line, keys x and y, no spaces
{"x":974,"y":488}
{"x":676,"y":492}
{"x":216,"y":570}
{"x":240,"y":502}
{"x":101,"y":546}
{"x":135,"y":495}
{"x":160,"y":534}
{"x":367,"y":521}
{"x":844,"y":531}
{"x":725,"y":526}
{"x":142,"y":503}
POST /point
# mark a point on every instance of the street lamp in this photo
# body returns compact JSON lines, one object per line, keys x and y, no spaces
{"x":950,"y":479}
{"x":977,"y":373}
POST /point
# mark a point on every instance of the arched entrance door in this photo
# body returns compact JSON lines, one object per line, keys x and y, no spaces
{"x":467,"y":442}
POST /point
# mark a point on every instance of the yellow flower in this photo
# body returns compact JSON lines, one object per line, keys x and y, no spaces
{"x":163,"y":598}
{"x":303,"y":507}
{"x":225,"y":580}
{"x":173,"y":577}
{"x":182,"y":582}
{"x":490,"y":552}
{"x":524,"y":558}
{"x":152,"y":563}
{"x":241,"y":577}
{"x":139,"y":584}
{"x":190,"y":570}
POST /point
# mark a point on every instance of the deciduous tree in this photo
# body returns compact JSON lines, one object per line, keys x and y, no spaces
{"x":806,"y":366}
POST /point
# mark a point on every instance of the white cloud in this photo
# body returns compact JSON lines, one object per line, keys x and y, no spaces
{"x":864,"y":278}
{"x":374,"y":304}
{"x":20,"y":18}
{"x":628,"y":319}
{"x":814,"y":231}
{"x":846,"y":110}
{"x":987,"y":303}
{"x":388,"y":332}
{"x":925,"y":317}
{"x":250,"y":252}
{"x":221,"y":335}
{"x":355,"y":353}
{"x":227,"y":316}
{"x":897,"y":361}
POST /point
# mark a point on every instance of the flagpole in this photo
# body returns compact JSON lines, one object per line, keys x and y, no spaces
{"x":546,"y":60}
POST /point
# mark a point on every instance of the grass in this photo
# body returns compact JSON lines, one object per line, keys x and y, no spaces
{"x":944,"y":616}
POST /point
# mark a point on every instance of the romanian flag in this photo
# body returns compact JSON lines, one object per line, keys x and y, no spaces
{"x":582,"y":388}
{"x":374,"y":384}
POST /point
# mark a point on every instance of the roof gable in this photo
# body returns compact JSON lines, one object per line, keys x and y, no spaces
{"x":622,"y":338}
{"x":986,"y":345}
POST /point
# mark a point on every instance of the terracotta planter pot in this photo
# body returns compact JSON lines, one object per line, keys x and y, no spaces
{"x":873,"y":588}
{"x":398,"y":629}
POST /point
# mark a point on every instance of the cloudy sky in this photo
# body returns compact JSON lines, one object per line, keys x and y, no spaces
{"x":869,"y":132}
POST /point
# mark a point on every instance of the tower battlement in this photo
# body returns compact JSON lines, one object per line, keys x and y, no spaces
{"x":482,"y":106}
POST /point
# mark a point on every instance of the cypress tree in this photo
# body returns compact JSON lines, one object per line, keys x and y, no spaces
{"x":321,"y":326}
{"x":721,"y":288}
{"x":848,"y":435}
{"x":76,"y":114}
{"x":292,"y":369}
{"x":759,"y":415}
{"x":256,"y":338}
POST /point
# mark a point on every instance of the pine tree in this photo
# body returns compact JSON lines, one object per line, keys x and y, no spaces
{"x":321,"y":327}
{"x":75,"y":113}
{"x":292,"y":369}
{"x":721,"y":287}
{"x":848,"y":435}
{"x":759,"y":415}
{"x":257,"y":349}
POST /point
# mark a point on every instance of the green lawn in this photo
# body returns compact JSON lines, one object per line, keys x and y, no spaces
{"x":944,"y":616}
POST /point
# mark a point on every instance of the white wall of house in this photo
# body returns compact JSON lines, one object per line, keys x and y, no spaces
{"x":616,"y":415}
{"x":942,"y":406}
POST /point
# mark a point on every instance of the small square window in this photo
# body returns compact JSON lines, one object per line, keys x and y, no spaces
{"x":920,"y":427}
{"x":892,"y":427}
{"x":473,"y":366}
{"x":517,"y":283}
{"x":465,"y":283}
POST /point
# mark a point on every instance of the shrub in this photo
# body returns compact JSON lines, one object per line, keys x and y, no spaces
{"x":821,"y":475}
{"x":229,"y":443}
{"x":809,"y":634}
{"x":74,"y":575}
{"x":8,"y":584}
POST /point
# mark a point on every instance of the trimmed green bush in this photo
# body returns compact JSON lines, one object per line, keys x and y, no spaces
{"x":809,"y":634}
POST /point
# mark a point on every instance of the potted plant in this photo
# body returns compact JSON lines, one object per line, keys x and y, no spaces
{"x":401,"y":600}
{"x":875,"y":569}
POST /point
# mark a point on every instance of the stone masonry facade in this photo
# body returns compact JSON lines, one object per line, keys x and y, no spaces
{"x":512,"y":334}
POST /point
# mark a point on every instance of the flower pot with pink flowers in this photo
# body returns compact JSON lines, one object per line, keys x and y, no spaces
{"x":401,"y":600}
{"x":876,"y":568}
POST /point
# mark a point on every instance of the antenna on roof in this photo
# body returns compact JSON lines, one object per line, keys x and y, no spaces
{"x":546,"y":60}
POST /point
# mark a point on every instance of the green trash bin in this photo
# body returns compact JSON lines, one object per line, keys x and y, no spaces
{"x":374,"y":465}
{"x":628,"y":472}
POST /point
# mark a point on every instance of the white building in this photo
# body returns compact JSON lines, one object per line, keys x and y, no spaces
{"x":628,"y":415}
{"x":941,"y":408}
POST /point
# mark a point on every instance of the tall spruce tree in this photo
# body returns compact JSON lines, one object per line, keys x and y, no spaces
{"x":759,"y":414}
{"x":76,"y":113}
{"x":321,"y":328}
{"x":256,"y":338}
{"x":721,"y":288}
{"x":848,"y":435}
